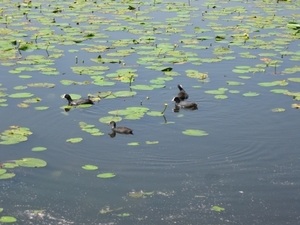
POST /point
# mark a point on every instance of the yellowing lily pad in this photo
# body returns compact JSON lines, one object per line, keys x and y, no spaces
{"x":278,"y":110}
{"x":106,"y":175}
{"x":192,"y":132}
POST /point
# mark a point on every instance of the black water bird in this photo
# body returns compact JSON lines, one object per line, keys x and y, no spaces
{"x":120,"y":130}
{"x":77,"y":101}
{"x":183,"y":104}
{"x":182,"y":95}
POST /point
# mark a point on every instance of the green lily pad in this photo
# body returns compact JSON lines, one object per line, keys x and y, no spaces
{"x":279,"y":91}
{"x":217,"y":208}
{"x":133,"y":143}
{"x":152,"y":142}
{"x":124,"y":93}
{"x":106,"y":175}
{"x":7,"y":219}
{"x":7,"y":176}
{"x":135,"y":194}
{"x":123,"y":214}
{"x":221,"y":96}
{"x":14,"y":135}
{"x":89,"y":167}
{"x":234,"y":83}
{"x":38,"y":149}
{"x":142,"y":87}
{"x":9,"y":165}
{"x":278,"y":110}
{"x":108,"y":119}
{"x":21,"y":95}
{"x":74,"y":140}
{"x":31,"y":162}
{"x":192,"y":132}
{"x":1,"y":209}
{"x":251,"y":94}
{"x":215,"y":92}
{"x":40,"y":108}
{"x":294,"y":79}
{"x":2,"y":171}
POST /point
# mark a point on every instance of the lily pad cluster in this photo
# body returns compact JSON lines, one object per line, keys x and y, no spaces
{"x":14,"y":135}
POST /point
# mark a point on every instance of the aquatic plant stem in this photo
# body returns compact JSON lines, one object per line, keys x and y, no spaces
{"x":166,"y":105}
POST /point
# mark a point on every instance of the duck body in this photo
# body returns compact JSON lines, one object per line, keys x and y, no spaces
{"x":182,"y":95}
{"x":184,"y":104}
{"x":77,"y":101}
{"x":120,"y":130}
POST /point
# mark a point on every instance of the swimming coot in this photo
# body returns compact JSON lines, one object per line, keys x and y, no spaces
{"x":120,"y":130}
{"x":182,"y":94}
{"x":77,"y":101}
{"x":182,"y":104}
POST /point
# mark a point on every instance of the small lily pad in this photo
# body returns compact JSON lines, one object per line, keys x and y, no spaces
{"x":89,"y":167}
{"x":278,"y":110}
{"x":38,"y":149}
{"x":135,"y":194}
{"x":7,"y":176}
{"x":192,"y":132}
{"x":106,"y":175}
{"x":251,"y":94}
{"x":133,"y":143}
{"x":7,"y":219}
{"x":21,"y":95}
{"x":74,"y":140}
{"x":217,"y":208}
{"x":123,"y":214}
{"x":40,"y":108}
{"x":152,"y":142}
{"x":221,"y":96}
{"x":107,"y":119}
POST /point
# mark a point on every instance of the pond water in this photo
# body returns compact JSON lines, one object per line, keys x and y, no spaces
{"x":245,"y":171}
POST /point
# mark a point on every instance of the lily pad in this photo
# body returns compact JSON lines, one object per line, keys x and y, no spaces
{"x":152,"y":142}
{"x":251,"y":94}
{"x":21,"y":95}
{"x":89,"y":167}
{"x":133,"y":143}
{"x":7,"y":176}
{"x":278,"y":110}
{"x":7,"y":219}
{"x":106,"y":175}
{"x":192,"y":132}
{"x":40,"y":108}
{"x":74,"y":140}
{"x":107,"y":119}
{"x":38,"y":149}
{"x":31,"y":162}
{"x":217,"y":208}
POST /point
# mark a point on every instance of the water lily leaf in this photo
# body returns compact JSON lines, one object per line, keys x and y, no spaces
{"x":106,"y":175}
{"x":7,"y":176}
{"x":294,"y":79}
{"x":9,"y":165}
{"x":89,"y":167}
{"x":251,"y":94}
{"x":2,"y":171}
{"x":38,"y":149}
{"x":124,"y":93}
{"x":217,"y":208}
{"x":192,"y":132}
{"x":14,"y":135}
{"x":221,"y":96}
{"x":7,"y":219}
{"x":135,"y":194}
{"x":155,"y":113}
{"x":133,"y":143}
{"x":279,"y":91}
{"x":142,"y":87}
{"x":152,"y":142}
{"x":278,"y":110}
{"x":1,"y":209}
{"x":74,"y":140}
{"x":107,"y":119}
{"x":45,"y":85}
{"x":215,"y":92}
{"x":123,"y":214}
{"x":31,"y":162}
{"x":21,"y":95}
{"x":39,"y":108}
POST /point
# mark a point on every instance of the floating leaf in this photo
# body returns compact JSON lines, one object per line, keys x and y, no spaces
{"x":89,"y":167}
{"x":7,"y":176}
{"x":192,"y":132}
{"x":294,"y":79}
{"x":278,"y":110}
{"x":21,"y":95}
{"x":142,"y":87}
{"x":9,"y":165}
{"x":221,"y":96}
{"x":40,"y":108}
{"x":124,"y":93}
{"x":135,"y":194}
{"x":2,"y":171}
{"x":123,"y":214}
{"x":279,"y":91}
{"x":38,"y":149}
{"x":133,"y":143}
{"x":234,"y":83}
{"x":217,"y":208}
{"x":74,"y":140}
{"x":31,"y":162}
{"x":251,"y":94}
{"x":7,"y":219}
{"x":108,"y":119}
{"x":106,"y":175}
{"x":152,"y":142}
